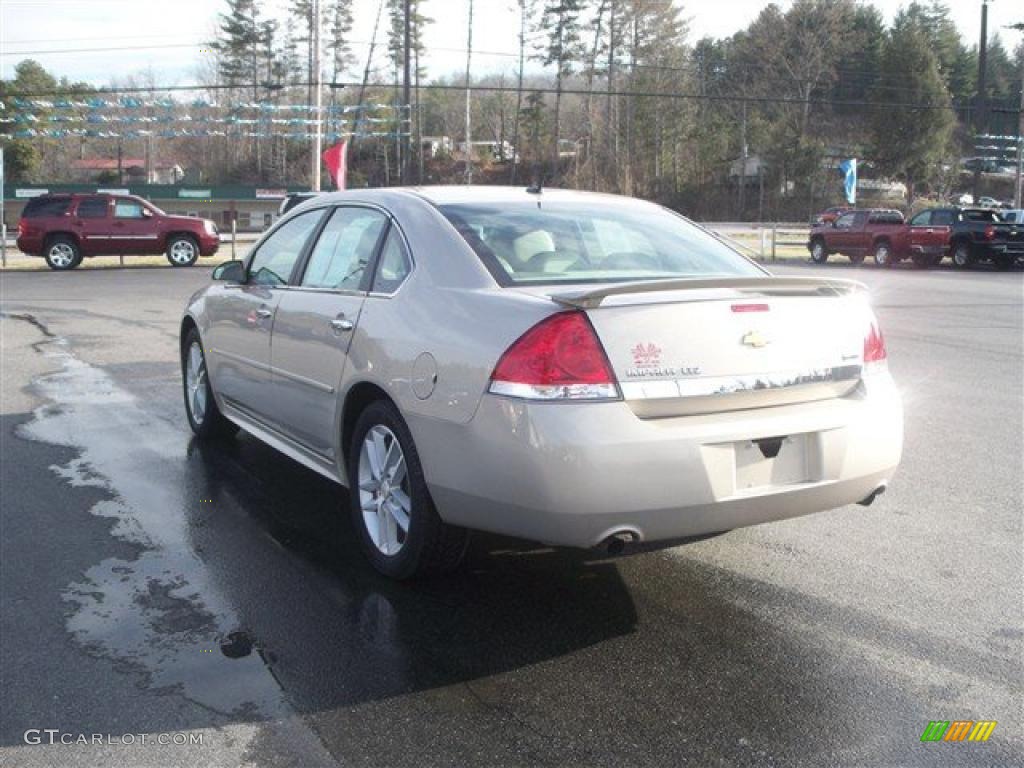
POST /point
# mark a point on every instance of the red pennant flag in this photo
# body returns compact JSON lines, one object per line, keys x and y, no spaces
{"x":336,"y":159}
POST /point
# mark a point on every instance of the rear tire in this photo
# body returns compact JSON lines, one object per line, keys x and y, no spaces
{"x":962,"y":256}
{"x":182,"y":251}
{"x":62,"y":253}
{"x":818,"y":253}
{"x":204,"y":417}
{"x":392,"y":512}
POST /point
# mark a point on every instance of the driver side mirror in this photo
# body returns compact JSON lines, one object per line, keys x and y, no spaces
{"x":147,"y":214}
{"x":230,"y":272}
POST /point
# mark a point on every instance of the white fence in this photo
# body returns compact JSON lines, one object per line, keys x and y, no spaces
{"x":761,"y":240}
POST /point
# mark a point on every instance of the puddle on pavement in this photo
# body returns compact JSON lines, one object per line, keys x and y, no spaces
{"x":160,"y":613}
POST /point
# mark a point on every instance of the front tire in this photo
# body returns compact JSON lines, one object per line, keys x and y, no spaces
{"x":818,"y":253}
{"x":62,"y":253}
{"x":204,"y":417}
{"x":182,"y":251}
{"x":392,"y":512}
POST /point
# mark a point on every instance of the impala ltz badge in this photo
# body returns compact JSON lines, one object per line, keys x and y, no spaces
{"x":755,"y":339}
{"x":647,"y":364}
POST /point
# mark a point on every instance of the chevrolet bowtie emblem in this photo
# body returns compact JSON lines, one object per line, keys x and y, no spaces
{"x":755,"y":339}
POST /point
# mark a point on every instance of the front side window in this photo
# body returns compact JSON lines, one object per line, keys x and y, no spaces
{"x":93,"y":208}
{"x":343,"y":252}
{"x":127,"y":209}
{"x":923,"y":219}
{"x":845,"y":221}
{"x":942,"y":218}
{"x":539,"y":242}
{"x":279,"y":253}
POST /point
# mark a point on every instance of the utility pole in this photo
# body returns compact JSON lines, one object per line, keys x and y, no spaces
{"x":406,"y":108}
{"x":981,"y":118}
{"x":469,"y":127}
{"x":1018,"y":192}
{"x":318,"y":99}
{"x":743,"y":159}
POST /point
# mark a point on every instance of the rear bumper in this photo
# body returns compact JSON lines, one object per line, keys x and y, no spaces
{"x":31,"y":246}
{"x":573,"y":474}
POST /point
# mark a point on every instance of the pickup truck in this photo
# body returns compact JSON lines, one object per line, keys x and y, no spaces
{"x":855,"y":234}
{"x":970,"y":235}
{"x":64,"y":229}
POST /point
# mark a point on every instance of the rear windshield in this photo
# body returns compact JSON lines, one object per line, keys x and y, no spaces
{"x":39,"y":207}
{"x":541,"y":243}
{"x":979,"y":216}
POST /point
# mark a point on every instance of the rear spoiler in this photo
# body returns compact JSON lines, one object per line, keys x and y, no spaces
{"x":764,"y":286}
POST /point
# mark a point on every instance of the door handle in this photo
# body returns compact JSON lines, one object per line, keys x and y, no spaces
{"x":341,"y":324}
{"x":263,"y":314}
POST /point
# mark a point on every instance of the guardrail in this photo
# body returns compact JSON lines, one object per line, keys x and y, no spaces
{"x":767,"y":237}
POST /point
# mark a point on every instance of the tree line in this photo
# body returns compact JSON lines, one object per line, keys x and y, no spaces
{"x":615,"y":95}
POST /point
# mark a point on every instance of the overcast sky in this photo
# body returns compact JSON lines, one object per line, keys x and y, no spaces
{"x":166,"y":35}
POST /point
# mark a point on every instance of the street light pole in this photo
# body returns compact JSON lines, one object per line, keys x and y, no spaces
{"x":318,"y":99}
{"x":406,"y":107}
{"x":981,"y":118}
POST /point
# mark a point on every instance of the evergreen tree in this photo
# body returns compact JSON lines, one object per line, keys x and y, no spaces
{"x":560,"y":24}
{"x":911,"y":143}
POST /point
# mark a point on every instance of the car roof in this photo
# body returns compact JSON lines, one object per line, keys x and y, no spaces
{"x":456,"y":194}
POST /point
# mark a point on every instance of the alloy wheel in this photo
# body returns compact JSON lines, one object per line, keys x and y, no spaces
{"x":62,"y":255}
{"x":384,"y":490}
{"x":195,"y":383}
{"x":182,"y":252}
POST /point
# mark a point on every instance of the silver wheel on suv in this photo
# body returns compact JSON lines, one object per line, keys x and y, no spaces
{"x":962,"y":254}
{"x":883,"y":255}
{"x":182,"y":252}
{"x":62,"y":253}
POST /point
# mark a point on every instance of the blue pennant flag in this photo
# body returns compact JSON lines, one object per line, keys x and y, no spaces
{"x":848,"y":168}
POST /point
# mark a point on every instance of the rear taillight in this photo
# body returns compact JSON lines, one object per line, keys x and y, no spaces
{"x":990,"y":232}
{"x":560,"y":358}
{"x":874,"y":348}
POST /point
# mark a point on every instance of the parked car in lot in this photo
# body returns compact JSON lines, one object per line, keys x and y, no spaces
{"x":830,"y":214}
{"x":855,"y":234}
{"x":978,"y":234}
{"x":64,"y":229}
{"x":576,"y":369}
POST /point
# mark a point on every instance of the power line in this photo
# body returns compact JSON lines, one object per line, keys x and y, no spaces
{"x":677,"y":95}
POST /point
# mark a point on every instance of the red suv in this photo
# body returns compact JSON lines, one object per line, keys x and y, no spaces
{"x":64,"y":229}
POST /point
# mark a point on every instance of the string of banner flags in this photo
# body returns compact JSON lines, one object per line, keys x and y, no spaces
{"x":95,"y":120}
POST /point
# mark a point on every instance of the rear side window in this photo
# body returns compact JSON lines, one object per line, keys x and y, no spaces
{"x":39,"y":207}
{"x":93,"y":208}
{"x":394,"y":264}
{"x":538,"y":242}
{"x":845,"y":221}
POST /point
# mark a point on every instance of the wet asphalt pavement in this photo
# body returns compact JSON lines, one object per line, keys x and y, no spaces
{"x":152,"y":586}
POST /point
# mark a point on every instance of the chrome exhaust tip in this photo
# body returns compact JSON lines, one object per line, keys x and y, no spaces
{"x":616,"y":543}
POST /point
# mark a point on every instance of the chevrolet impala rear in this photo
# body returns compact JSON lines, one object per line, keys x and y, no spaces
{"x":671,"y":389}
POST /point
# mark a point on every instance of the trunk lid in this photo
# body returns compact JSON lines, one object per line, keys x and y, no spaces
{"x":709,"y":345}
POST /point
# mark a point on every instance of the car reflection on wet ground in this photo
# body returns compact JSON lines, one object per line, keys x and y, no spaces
{"x":214,"y":586}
